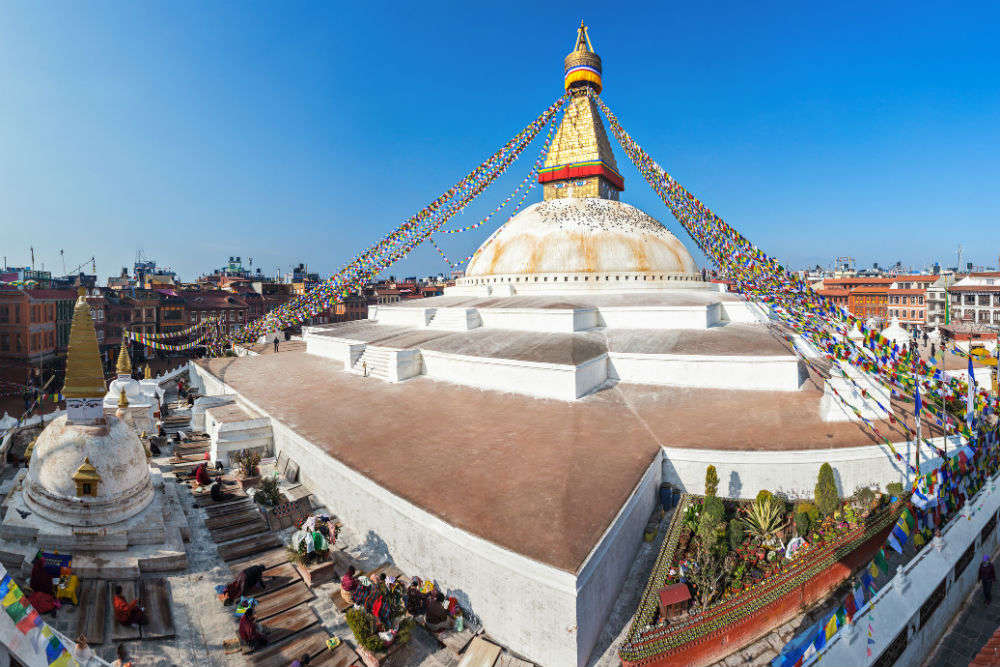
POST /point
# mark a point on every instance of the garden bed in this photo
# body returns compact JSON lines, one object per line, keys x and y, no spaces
{"x":753,"y":589}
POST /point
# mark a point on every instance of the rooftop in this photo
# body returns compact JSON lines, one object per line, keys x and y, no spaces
{"x":542,"y":477}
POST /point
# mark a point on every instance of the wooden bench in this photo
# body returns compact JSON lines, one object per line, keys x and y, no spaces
{"x":236,"y":518}
{"x":241,"y":530}
{"x":249,"y":546}
{"x":312,"y":642}
{"x":229,"y":507}
{"x":342,"y":656}
{"x":508,"y":660}
{"x":481,"y":653}
{"x":315,"y":574}
{"x":275,"y":602}
{"x":455,"y":641}
{"x":204,"y":499}
{"x":155,"y":596}
{"x":268,"y":559}
{"x":92,"y":612}
{"x":287,"y":623}
{"x":119,"y":632}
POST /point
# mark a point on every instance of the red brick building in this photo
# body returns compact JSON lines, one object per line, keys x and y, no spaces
{"x":865,"y":302}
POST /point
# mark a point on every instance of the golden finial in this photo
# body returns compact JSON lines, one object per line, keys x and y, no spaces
{"x":84,"y":372}
{"x":122,"y":399}
{"x":582,"y":66}
{"x":149,"y":373}
{"x":124,"y":363}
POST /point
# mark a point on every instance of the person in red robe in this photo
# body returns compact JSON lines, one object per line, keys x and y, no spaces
{"x":41,"y":580}
{"x":201,"y":475}
{"x":250,"y":631}
{"x":128,"y":613}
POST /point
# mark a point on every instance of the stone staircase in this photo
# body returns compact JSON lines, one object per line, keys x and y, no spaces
{"x":375,"y":362}
{"x":455,"y":319}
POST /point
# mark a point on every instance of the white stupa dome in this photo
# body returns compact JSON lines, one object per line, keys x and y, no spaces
{"x":112,"y":454}
{"x":582,"y":236}
{"x":896,"y":333}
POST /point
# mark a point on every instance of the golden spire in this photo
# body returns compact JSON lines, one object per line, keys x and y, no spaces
{"x":122,"y":399}
{"x":149,"y":373}
{"x":124,"y":363}
{"x":84,"y":373}
{"x":582,"y":39}
{"x":582,"y":66}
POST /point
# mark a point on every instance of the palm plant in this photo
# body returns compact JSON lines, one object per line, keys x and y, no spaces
{"x":765,"y":520}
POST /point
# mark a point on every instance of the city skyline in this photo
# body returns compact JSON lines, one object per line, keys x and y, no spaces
{"x":279,"y":135}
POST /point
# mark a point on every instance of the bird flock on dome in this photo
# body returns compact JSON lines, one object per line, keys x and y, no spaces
{"x":753,"y":273}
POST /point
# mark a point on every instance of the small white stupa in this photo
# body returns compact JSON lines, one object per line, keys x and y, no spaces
{"x":141,"y":407}
{"x":896,"y":333}
{"x":88,"y":489}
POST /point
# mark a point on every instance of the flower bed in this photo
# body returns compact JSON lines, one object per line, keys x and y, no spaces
{"x":739,"y":612}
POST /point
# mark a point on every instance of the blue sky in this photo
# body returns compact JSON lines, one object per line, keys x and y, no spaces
{"x":304,"y":132}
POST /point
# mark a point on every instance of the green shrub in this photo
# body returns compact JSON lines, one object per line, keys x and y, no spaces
{"x":711,"y":481}
{"x":736,"y":534}
{"x":764,"y":496}
{"x":362,"y":624}
{"x":894,"y":489}
{"x":802,"y":523}
{"x":710,"y":521}
{"x":269,"y":492}
{"x":809,"y":510}
{"x":827,"y":498}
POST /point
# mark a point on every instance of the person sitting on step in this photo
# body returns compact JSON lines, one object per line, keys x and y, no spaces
{"x":251,"y":632}
{"x":128,"y":613}
{"x":348,"y":583}
{"x":251,"y":577}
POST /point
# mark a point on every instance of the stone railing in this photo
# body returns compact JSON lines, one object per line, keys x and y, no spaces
{"x":911,"y":613}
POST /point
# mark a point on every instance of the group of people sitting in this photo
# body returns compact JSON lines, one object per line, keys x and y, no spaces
{"x":384,"y":593}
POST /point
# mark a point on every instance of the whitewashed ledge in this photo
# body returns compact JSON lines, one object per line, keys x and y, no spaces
{"x":895,"y":611}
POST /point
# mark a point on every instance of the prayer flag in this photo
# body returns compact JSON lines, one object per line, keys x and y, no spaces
{"x":970,"y":401}
{"x":842,"y":613}
{"x":880,"y":561}
{"x":5,"y":583}
{"x":64,"y":660}
{"x":894,"y":541}
{"x":16,"y":611}
{"x":53,"y":647}
{"x":830,"y":629}
{"x":868,"y":582}
{"x":820,"y":641}
{"x":859,"y":596}
{"x":31,"y":620}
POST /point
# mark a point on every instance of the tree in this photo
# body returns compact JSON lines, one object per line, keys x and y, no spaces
{"x":711,"y":481}
{"x":711,"y":521}
{"x":707,"y":574}
{"x":827,"y":498}
{"x":736,"y":534}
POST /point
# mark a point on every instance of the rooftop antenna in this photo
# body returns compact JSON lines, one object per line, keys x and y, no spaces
{"x":32,"y":249}
{"x":959,"y":253}
{"x":63,"y":258}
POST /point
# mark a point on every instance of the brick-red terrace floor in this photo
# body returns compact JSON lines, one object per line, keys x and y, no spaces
{"x":541,"y":477}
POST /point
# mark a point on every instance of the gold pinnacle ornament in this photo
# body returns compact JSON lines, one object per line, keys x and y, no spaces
{"x":84,"y":373}
{"x":124,"y":363}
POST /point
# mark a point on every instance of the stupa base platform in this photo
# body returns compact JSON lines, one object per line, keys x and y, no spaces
{"x":151,"y":541}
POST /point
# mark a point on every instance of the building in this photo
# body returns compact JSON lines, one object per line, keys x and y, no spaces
{"x":869,"y":302}
{"x":509,"y":438}
{"x":28,"y":324}
{"x":975,"y":299}
{"x":230,"y":309}
{"x":171,"y":311}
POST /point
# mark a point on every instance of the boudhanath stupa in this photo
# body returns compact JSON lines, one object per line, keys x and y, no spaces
{"x":509,"y":439}
{"x":88,"y":489}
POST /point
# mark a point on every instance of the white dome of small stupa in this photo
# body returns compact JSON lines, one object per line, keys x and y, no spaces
{"x":132,"y":387}
{"x":87,"y":469}
{"x":896,"y":333}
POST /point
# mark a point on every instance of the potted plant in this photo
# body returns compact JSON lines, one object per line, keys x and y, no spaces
{"x":247,"y":464}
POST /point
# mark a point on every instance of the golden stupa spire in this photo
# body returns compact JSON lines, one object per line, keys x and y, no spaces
{"x":124,"y":363}
{"x":582,"y":39}
{"x":84,"y":373}
{"x":580,"y":163}
{"x":149,"y":373}
{"x":122,"y":400}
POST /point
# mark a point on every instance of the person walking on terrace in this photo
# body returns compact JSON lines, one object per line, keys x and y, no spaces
{"x":987,"y":575}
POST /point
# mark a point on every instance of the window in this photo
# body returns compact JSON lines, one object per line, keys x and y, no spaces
{"x":984,"y":299}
